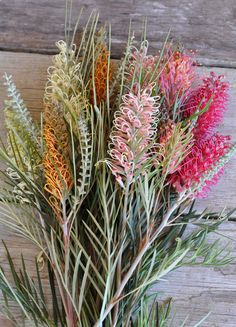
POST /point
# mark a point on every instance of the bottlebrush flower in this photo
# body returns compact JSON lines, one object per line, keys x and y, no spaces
{"x":133,"y":130}
{"x":214,"y":92}
{"x":202,"y":158}
{"x":176,"y":76}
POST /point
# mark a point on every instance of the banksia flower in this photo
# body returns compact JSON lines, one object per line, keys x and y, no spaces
{"x":213,"y":92}
{"x":100,"y":76}
{"x":56,"y":168}
{"x":202,"y":158}
{"x":134,"y":129}
{"x":177,"y":76}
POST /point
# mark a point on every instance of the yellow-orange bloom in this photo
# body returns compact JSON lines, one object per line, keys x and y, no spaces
{"x":56,"y":164}
{"x":100,"y":76}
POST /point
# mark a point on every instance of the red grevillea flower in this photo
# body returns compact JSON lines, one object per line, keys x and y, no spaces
{"x":134,"y":129}
{"x":213,"y":92}
{"x":176,"y":76}
{"x":200,"y":161}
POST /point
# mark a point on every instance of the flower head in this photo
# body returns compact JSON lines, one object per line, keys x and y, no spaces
{"x":213,"y":93}
{"x":142,"y":67}
{"x":56,"y":169}
{"x":176,"y":76}
{"x":101,"y":75}
{"x":202,"y":158}
{"x":133,"y":131}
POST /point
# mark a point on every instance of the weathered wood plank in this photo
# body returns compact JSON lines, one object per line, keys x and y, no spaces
{"x":29,"y":73}
{"x":206,"y":26}
{"x":195,"y":291}
{"x":198,"y":291}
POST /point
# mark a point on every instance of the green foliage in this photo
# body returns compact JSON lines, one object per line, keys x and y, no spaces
{"x":152,"y":314}
{"x":29,"y":295}
{"x":17,"y":114}
{"x":23,"y":136}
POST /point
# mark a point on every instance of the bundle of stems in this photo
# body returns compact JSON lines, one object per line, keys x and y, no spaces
{"x":105,"y":185}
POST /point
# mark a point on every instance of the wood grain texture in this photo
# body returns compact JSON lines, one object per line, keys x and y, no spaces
{"x":198,"y":291}
{"x":206,"y":26}
{"x":195,"y":291}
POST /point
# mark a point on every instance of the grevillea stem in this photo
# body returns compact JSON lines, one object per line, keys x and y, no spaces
{"x":66,"y":237}
{"x":125,"y":280}
{"x":50,"y":254}
{"x":119,"y":264}
{"x":143,"y":250}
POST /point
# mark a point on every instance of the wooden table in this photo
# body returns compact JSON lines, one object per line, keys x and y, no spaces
{"x":28,"y":31}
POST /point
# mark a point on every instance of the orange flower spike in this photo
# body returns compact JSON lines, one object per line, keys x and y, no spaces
{"x":100,"y":76}
{"x":56,"y":169}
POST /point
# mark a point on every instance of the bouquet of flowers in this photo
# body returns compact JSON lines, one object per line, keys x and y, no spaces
{"x":104,"y":185}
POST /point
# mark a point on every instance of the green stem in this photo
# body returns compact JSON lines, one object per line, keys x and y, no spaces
{"x":138,"y":259}
{"x":50,"y":259}
{"x":66,"y":238}
{"x":119,"y":264}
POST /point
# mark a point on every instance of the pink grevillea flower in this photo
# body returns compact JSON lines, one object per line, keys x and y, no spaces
{"x":133,"y":132}
{"x":142,"y":67}
{"x":204,"y":155}
{"x":176,"y":76}
{"x":213,"y":93}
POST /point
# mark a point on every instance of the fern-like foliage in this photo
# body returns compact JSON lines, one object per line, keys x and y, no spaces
{"x":24,"y":147}
{"x":86,"y":157}
{"x":19,"y":116}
